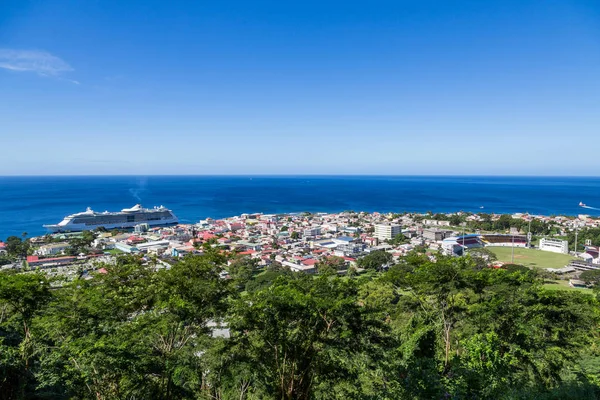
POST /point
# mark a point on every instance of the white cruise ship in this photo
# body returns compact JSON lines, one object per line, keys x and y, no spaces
{"x":126,"y":218}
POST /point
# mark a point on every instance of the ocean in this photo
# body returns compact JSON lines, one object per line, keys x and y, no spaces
{"x":26,"y":203}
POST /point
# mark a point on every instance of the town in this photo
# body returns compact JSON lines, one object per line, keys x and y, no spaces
{"x":348,"y":242}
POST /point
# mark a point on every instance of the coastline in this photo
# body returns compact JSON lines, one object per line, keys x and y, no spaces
{"x":30,"y":202}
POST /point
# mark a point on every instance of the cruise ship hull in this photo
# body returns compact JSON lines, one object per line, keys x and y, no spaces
{"x":124,"y":225}
{"x":124,"y":219}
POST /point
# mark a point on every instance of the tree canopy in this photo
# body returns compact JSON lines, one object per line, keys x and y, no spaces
{"x":443,"y":328}
{"x":375,"y":260}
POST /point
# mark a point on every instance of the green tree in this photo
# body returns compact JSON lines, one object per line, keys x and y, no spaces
{"x":398,"y":240}
{"x":242,"y":269}
{"x":81,"y":244}
{"x":584,"y":234}
{"x":4,"y":260}
{"x":476,"y":333}
{"x":22,"y":296}
{"x":430,"y":327}
{"x":456,"y":220}
{"x":265,"y":279}
{"x":375,"y":260}
{"x":482,"y":257}
{"x":302,"y":336}
{"x":591,"y":277}
{"x":133,"y":332}
{"x":331,"y":265}
{"x":17,"y":247}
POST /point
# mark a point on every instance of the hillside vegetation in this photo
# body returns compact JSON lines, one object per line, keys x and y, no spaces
{"x":421,"y":330}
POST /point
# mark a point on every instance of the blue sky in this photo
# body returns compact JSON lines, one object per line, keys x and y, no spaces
{"x":302,"y":87}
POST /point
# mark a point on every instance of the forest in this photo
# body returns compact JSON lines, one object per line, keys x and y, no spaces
{"x":426,"y":328}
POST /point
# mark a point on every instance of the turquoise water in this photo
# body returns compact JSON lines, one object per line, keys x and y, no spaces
{"x":28,"y":202}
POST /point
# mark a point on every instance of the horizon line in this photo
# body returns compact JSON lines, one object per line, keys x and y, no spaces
{"x":297,"y":175}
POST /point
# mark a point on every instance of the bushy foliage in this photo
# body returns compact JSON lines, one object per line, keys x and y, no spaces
{"x":444,"y":329}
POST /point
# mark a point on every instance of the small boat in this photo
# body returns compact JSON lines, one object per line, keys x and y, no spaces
{"x":581,"y":204}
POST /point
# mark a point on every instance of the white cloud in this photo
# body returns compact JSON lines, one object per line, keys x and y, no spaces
{"x":40,"y":62}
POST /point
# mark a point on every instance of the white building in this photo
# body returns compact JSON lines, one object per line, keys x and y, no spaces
{"x":349,"y":249}
{"x":154,"y":246}
{"x":554,"y":245}
{"x":312,"y":231}
{"x":330,"y":227}
{"x":141,"y":228}
{"x":52,"y":249}
{"x":307,"y":269}
{"x":387,"y":231}
{"x":433,"y":222}
{"x":450,"y":247}
{"x":435,"y":234}
{"x":125,"y":248}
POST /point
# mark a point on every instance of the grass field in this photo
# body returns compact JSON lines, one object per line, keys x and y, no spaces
{"x":532,"y":257}
{"x":564,"y":285}
{"x":114,"y":252}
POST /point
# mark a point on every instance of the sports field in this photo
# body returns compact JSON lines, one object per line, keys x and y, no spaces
{"x":564,"y":285}
{"x":532,"y":257}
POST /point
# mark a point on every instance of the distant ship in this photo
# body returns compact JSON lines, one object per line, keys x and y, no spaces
{"x":581,"y":204}
{"x":126,"y":218}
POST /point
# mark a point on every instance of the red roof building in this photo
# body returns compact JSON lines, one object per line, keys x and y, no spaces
{"x":135,"y":239}
{"x":35,"y":260}
{"x":309,"y":262}
{"x":206,"y":235}
{"x":236,"y":226}
{"x":319,"y":251}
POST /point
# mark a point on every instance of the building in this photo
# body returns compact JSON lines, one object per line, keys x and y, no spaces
{"x":344,"y":240}
{"x":387,"y":231}
{"x":457,"y":245}
{"x":581,"y":265}
{"x":450,"y":247}
{"x":183,"y":249}
{"x":246,"y":245}
{"x":141,"y":228}
{"x":125,"y":248}
{"x":433,"y":222}
{"x":154,"y":246}
{"x":593,"y":251}
{"x":576,"y":283}
{"x":325,"y":243}
{"x":500,"y":240}
{"x":349,"y":249}
{"x":307,"y":269}
{"x":52,"y":249}
{"x":371,"y":241}
{"x":554,"y":245}
{"x":35,"y":261}
{"x":353,"y":230}
{"x":560,"y":271}
{"x":435,"y":234}
{"x":312,"y":231}
{"x":469,"y":241}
